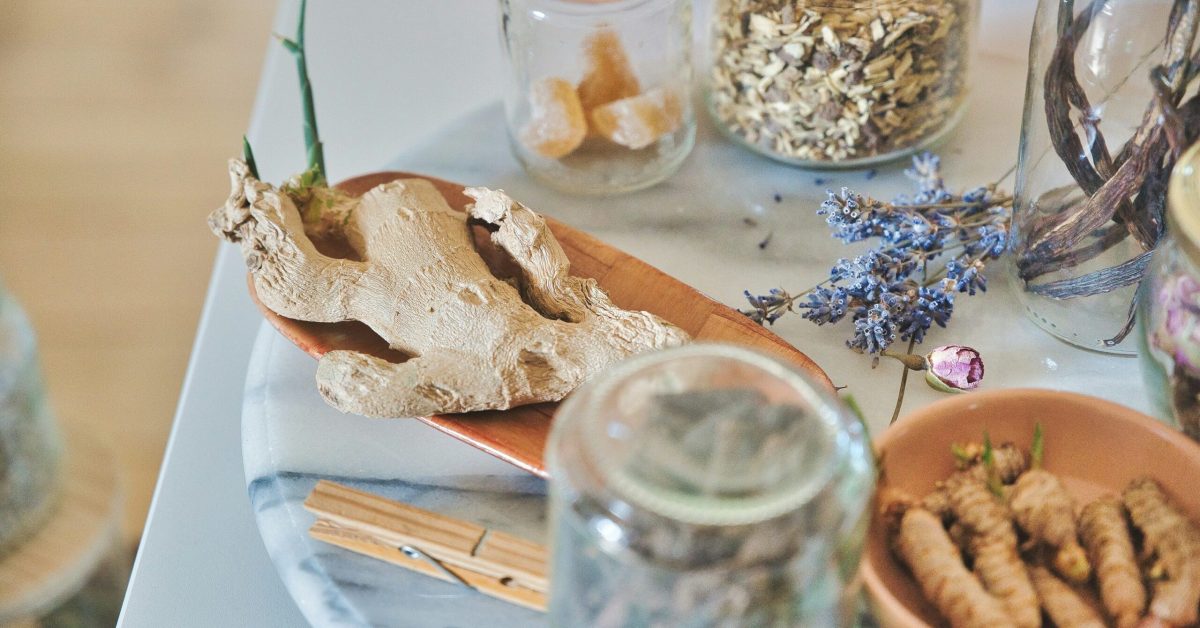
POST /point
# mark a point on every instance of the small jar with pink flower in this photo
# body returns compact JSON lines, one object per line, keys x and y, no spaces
{"x":1169,"y":304}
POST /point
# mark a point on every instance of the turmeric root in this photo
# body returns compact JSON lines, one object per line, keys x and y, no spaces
{"x":923,"y":545}
{"x":1105,"y":535}
{"x":993,"y":545}
{"x":1008,"y":461}
{"x":1174,"y":542}
{"x":1046,"y":512}
{"x":474,"y":343}
{"x":1063,"y":604}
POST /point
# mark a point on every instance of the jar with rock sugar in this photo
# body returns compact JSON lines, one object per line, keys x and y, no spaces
{"x":839,"y":83}
{"x":599,"y":97}
{"x":706,"y":486}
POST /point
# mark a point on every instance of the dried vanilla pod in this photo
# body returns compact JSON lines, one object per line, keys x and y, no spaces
{"x":833,"y":80}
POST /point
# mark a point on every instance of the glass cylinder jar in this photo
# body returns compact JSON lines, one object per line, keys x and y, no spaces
{"x":599,"y":100}
{"x":30,"y":447}
{"x":1169,"y":305}
{"x":706,"y":486}
{"x":839,"y":83}
{"x":1096,"y":150}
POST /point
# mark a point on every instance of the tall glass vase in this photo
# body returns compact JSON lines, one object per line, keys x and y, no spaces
{"x":1107,"y":113}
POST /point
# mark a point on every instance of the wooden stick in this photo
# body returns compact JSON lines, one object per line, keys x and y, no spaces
{"x":494,"y":563}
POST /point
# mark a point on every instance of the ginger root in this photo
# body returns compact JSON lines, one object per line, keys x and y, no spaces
{"x":993,"y":546}
{"x":473,"y":342}
{"x":1106,"y":537}
{"x":1174,"y":541}
{"x":1044,"y":510}
{"x":1063,"y":604}
{"x":923,"y":544}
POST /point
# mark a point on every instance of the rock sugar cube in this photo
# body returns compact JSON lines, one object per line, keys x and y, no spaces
{"x":639,"y":121}
{"x":608,"y":75}
{"x":557,"y":124}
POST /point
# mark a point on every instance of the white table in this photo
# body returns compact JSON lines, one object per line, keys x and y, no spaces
{"x":386,"y":74}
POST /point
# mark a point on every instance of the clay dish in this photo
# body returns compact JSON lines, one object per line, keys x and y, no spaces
{"x":1095,"y":446}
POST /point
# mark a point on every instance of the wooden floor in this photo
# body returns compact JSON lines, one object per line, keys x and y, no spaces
{"x":116,"y":118}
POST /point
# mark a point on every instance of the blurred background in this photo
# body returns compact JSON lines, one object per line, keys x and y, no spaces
{"x":116,"y":118}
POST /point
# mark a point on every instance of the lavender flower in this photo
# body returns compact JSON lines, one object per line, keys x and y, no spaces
{"x":930,"y":246}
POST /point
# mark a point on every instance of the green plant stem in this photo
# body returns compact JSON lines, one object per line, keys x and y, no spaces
{"x":903,"y":385}
{"x":312,"y":138}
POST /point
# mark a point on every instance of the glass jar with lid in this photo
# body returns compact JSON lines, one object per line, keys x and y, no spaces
{"x":838,"y":83}
{"x":599,"y":98}
{"x":1169,"y":304}
{"x":702,"y":486}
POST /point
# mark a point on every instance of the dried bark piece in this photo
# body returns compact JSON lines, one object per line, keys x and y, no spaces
{"x":556,"y":124}
{"x":639,"y":121}
{"x":474,"y":343}
{"x":608,"y":75}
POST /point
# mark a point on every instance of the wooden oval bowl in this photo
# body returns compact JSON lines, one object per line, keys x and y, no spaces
{"x":1094,"y":446}
{"x":519,"y":435}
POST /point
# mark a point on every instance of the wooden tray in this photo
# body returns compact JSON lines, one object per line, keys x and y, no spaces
{"x":518,"y":436}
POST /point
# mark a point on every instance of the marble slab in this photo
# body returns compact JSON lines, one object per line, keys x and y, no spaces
{"x":707,"y":226}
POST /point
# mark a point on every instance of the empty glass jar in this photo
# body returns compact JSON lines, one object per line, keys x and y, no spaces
{"x":599,"y":100}
{"x":706,"y":486}
{"x":839,"y":83}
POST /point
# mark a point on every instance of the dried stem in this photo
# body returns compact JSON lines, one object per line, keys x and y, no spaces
{"x":903,"y":385}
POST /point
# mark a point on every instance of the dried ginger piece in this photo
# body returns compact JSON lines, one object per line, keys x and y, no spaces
{"x":1175,"y":542}
{"x":1063,"y":604}
{"x":1103,"y":528}
{"x":608,"y":75}
{"x":477,"y":342}
{"x":993,"y":545}
{"x":639,"y":121}
{"x":1044,"y":509}
{"x":923,"y":544}
{"x":557,"y":124}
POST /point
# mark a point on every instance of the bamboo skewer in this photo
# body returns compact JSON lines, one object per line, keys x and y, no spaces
{"x":494,"y":563}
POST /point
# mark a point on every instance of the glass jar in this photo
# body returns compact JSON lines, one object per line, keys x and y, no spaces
{"x":706,"y":486}
{"x":599,"y":100}
{"x":30,"y":446}
{"x":1093,"y":167}
{"x":1169,"y":305}
{"x":839,"y":83}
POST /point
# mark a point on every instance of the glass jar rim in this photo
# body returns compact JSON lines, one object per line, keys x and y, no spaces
{"x":741,"y":511}
{"x":590,"y":9}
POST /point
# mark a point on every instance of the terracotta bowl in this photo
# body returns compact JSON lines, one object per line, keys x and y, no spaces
{"x":1095,"y":446}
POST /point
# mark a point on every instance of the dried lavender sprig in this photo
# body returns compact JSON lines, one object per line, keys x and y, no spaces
{"x":881,"y":291}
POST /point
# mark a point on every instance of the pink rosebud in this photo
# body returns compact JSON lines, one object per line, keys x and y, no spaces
{"x":953,"y":368}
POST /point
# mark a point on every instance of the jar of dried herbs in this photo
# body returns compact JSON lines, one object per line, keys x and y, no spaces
{"x":839,"y":82}
{"x":30,"y":447}
{"x":1169,"y":305}
{"x":706,"y":486}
